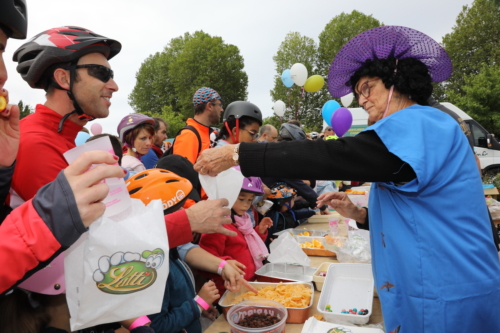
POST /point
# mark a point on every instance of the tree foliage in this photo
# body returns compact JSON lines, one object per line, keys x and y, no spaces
{"x":174,"y":119}
{"x":25,"y":110}
{"x":472,"y":43}
{"x":341,"y":29}
{"x":301,"y":105}
{"x":188,"y":62}
{"x":481,"y":97}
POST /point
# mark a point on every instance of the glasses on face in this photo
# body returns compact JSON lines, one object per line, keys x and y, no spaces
{"x":100,"y":72}
{"x":364,"y":89}
{"x":255,"y":135}
{"x":219,"y":104}
{"x":328,"y":129}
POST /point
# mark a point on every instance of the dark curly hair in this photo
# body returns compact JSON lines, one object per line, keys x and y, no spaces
{"x":412,"y":77}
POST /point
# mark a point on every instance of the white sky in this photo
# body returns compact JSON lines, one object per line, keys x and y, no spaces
{"x":256,"y":27}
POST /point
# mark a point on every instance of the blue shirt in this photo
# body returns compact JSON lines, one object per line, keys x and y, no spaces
{"x":150,"y":159}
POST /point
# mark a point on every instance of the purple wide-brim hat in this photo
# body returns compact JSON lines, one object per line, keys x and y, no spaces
{"x":384,"y":42}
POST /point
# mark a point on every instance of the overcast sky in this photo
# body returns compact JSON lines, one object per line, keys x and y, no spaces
{"x":256,"y":27}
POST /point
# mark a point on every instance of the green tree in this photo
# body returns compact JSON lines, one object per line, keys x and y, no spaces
{"x":24,"y":109}
{"x":472,"y":43}
{"x":301,"y":105}
{"x":174,"y":120}
{"x":481,"y":97}
{"x":341,"y":29}
{"x":187,"y":63}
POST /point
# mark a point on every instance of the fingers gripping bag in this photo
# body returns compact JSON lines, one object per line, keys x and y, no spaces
{"x":118,"y":270}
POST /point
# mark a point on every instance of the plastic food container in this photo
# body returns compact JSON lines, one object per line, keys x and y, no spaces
{"x":313,"y":251}
{"x":295,"y":315}
{"x":347,"y":286}
{"x":281,"y":272}
{"x":259,"y":306}
{"x":312,"y":325}
{"x":295,"y":232}
{"x":320,"y":280}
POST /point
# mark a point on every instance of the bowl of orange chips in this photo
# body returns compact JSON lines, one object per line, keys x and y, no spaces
{"x":314,"y":246}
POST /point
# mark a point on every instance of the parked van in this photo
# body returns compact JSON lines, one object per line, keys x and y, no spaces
{"x":486,"y":146}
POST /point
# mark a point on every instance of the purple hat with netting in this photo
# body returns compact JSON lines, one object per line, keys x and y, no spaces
{"x":384,"y":42}
{"x":205,"y":95}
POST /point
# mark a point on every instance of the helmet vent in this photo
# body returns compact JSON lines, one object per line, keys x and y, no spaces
{"x":172,"y":181}
{"x":135,"y":190}
{"x":141,"y":176}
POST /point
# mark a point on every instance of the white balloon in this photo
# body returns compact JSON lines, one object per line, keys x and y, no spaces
{"x":298,"y":72}
{"x":347,"y":100}
{"x":279,"y":108}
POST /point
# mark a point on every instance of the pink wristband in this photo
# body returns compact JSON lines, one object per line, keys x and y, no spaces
{"x":221,"y":267}
{"x":141,"y":321}
{"x":201,"y":302}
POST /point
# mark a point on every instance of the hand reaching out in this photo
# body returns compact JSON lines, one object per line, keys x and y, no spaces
{"x":265,"y":224}
{"x":209,"y":292}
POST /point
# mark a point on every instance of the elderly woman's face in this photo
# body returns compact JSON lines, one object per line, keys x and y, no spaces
{"x":372,"y":96}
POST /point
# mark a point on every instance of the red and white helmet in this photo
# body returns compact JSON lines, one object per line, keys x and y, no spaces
{"x":59,"y":45}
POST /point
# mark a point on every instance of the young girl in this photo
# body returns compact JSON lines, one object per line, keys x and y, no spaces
{"x":248,"y":246}
{"x":136,"y":132}
{"x":241,"y":123}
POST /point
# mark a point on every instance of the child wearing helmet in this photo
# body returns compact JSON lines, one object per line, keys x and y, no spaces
{"x":241,"y":123}
{"x":248,"y":245}
{"x":182,"y":307}
{"x":136,"y":131}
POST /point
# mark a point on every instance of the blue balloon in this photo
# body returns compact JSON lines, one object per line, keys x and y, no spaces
{"x":81,"y":137}
{"x":328,"y":110}
{"x":287,"y":78}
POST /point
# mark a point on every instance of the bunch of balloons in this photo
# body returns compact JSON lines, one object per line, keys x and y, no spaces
{"x":298,"y":75}
{"x":339,"y":118}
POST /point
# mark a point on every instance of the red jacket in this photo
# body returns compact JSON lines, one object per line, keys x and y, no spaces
{"x":229,"y":248}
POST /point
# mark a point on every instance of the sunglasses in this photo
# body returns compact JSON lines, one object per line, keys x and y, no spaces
{"x":328,"y":129}
{"x":365,"y":88}
{"x":100,"y":72}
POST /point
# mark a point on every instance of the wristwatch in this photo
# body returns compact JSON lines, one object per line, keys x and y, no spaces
{"x":236,"y":156}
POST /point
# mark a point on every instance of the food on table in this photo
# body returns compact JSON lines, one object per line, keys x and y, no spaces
{"x":318,"y":317}
{"x":289,"y":295}
{"x":258,"y":320}
{"x":322,"y":273}
{"x":337,"y":241}
{"x":315,"y":244}
{"x":349,"y":191}
{"x":305,"y":233}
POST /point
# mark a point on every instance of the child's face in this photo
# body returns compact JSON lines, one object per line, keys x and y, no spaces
{"x":243,"y":203}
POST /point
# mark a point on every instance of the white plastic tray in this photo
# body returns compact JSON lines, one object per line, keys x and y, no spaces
{"x":347,"y":286}
{"x":312,"y":325}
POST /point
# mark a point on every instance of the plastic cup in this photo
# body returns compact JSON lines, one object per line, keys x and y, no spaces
{"x":260,"y":306}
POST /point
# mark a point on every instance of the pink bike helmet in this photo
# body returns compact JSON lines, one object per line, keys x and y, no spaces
{"x":129,"y":122}
{"x":48,"y":280}
{"x":252,"y":184}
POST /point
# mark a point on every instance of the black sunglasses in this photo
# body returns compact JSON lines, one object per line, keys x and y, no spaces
{"x":100,"y":72}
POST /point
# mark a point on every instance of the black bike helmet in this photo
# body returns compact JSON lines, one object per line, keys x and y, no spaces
{"x":14,"y":18}
{"x":291,"y":132}
{"x":240,"y":109}
{"x":60,"y":45}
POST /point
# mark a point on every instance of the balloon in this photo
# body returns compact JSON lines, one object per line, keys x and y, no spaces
{"x":347,"y":100}
{"x":81,"y":137}
{"x":328,"y":110}
{"x":279,"y":108}
{"x":314,"y":83}
{"x":286,"y":78}
{"x":341,"y":121}
{"x":96,"y":129}
{"x":298,"y":72}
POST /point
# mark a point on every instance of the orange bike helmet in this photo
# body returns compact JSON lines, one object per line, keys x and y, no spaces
{"x":281,"y":193}
{"x":161,"y":184}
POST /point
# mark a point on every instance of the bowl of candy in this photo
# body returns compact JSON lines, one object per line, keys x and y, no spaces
{"x":257,"y":316}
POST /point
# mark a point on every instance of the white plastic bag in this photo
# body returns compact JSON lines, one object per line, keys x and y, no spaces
{"x":118,"y":270}
{"x":226,"y":184}
{"x":286,"y":249}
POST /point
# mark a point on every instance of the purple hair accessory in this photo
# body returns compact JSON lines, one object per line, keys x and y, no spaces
{"x":384,"y":42}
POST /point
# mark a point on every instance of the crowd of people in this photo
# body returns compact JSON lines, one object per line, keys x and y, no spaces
{"x":431,"y":237}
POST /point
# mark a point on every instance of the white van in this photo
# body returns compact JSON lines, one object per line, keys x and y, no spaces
{"x":486,"y":146}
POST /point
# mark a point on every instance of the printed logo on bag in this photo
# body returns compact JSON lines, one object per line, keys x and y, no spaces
{"x":179,"y":195}
{"x":125,"y":273}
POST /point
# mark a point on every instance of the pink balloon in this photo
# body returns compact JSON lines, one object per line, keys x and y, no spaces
{"x":341,"y":121}
{"x":96,"y":128}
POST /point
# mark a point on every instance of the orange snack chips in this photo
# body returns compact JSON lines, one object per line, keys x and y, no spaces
{"x":290,"y":295}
